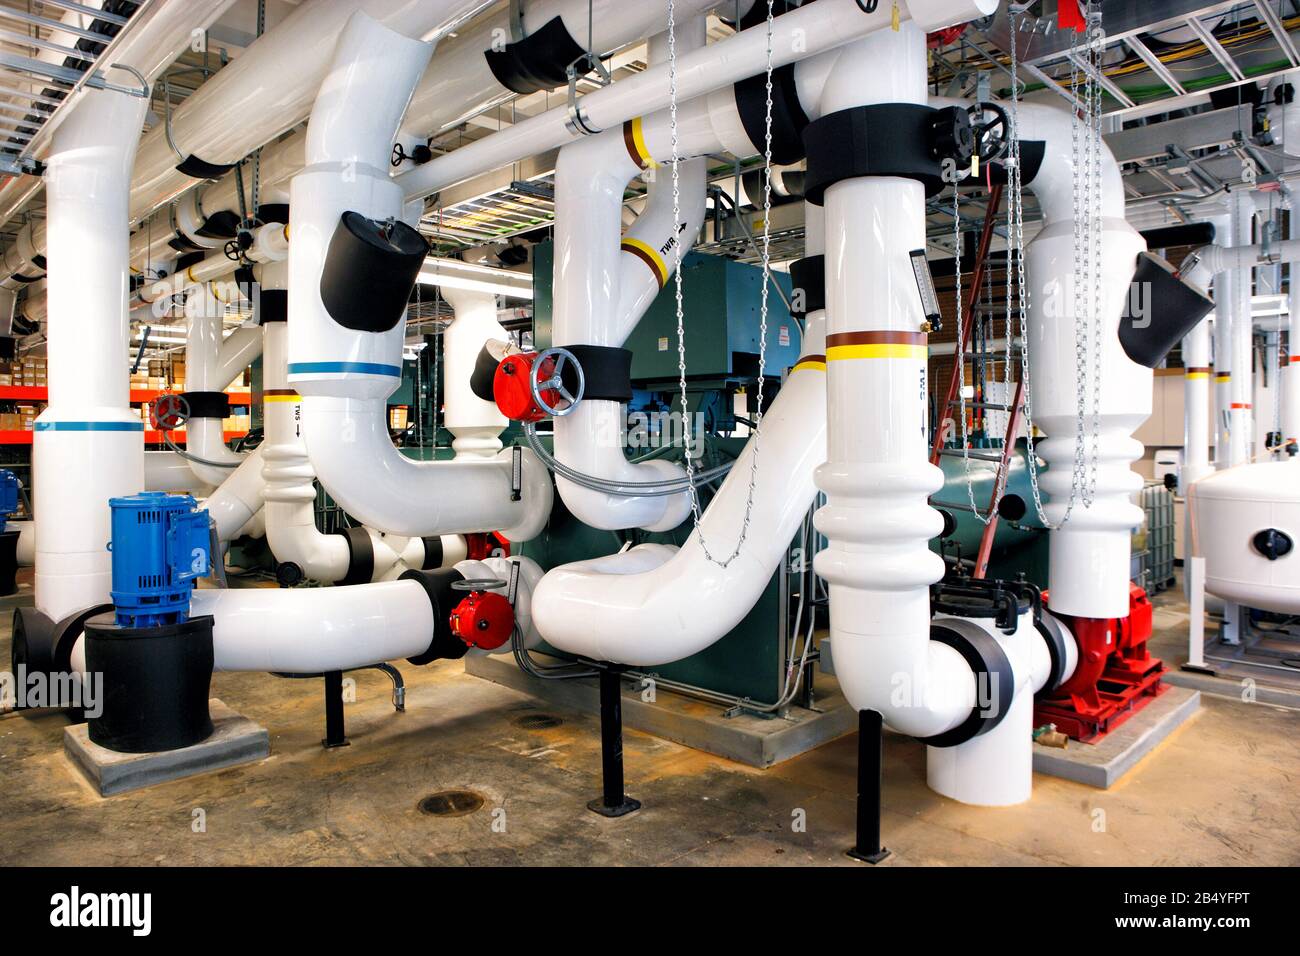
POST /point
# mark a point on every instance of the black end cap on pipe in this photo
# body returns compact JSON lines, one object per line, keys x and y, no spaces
{"x":273,"y":212}
{"x":361,"y":556}
{"x":485,"y":370}
{"x":808,"y":282}
{"x":538,"y":61}
{"x":437,"y":584}
{"x":993,"y":675}
{"x":369,"y":272}
{"x":1186,"y":234}
{"x":155,"y":684}
{"x":1161,"y":309}
{"x":220,"y":225}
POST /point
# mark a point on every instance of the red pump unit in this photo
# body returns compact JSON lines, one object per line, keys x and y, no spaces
{"x":1116,"y":675}
{"x":483,"y":620}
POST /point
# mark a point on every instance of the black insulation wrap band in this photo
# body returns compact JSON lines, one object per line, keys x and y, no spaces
{"x":197,"y":168}
{"x":1166,"y":306}
{"x":361,"y":556}
{"x":537,"y":62}
{"x":25,"y":279}
{"x":788,"y":118}
{"x":887,"y":139}
{"x":207,"y":404}
{"x":273,"y":212}
{"x":369,"y":272}
{"x":606,"y":372}
{"x":1053,"y":634}
{"x":485,"y":370}
{"x":272,"y":306}
{"x":182,"y":243}
{"x":1032,"y":152}
{"x":38,"y":261}
{"x":993,"y":676}
{"x":808,"y":278}
{"x":190,"y":259}
{"x":245,"y":277}
{"x":443,"y":598}
{"x":1183,"y":234}
{"x":432,"y":553}
{"x":156,"y":682}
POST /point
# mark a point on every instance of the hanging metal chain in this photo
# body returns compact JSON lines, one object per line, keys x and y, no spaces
{"x":756,"y":437}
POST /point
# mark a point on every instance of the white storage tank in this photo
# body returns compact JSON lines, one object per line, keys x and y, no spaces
{"x":1247,"y":525}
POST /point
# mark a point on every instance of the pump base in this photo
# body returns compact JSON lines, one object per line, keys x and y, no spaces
{"x":235,"y":740}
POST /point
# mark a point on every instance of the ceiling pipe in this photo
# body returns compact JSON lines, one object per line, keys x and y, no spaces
{"x":343,"y":374}
{"x":797,"y":35}
{"x":88,"y":445}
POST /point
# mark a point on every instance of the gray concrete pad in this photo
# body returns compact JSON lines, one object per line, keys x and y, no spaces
{"x":1102,"y":764}
{"x":235,"y":740}
{"x":745,"y":738}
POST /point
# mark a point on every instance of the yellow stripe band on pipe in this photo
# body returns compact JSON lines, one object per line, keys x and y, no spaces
{"x":1198,"y":375}
{"x":634,"y":140}
{"x":816,"y":363}
{"x":878,"y":350}
{"x":282,"y":398}
{"x":647,"y":255}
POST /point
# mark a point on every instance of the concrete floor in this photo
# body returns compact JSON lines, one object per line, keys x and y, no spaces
{"x":1220,"y":791}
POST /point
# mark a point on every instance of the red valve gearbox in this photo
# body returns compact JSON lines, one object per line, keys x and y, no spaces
{"x":512,"y":390}
{"x":484,"y":620}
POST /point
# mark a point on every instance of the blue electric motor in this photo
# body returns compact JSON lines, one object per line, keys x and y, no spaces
{"x":161,"y":545}
{"x":8,"y":495}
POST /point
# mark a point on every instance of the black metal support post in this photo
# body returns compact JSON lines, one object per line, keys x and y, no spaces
{"x":613,"y":802}
{"x":334,"y":728}
{"x":871,"y":769}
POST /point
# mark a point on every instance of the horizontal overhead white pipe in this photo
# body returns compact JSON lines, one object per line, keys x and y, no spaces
{"x":796,"y":35}
{"x":652,"y":604}
{"x":460,"y":84}
{"x":265,"y":91}
{"x":158,"y":33}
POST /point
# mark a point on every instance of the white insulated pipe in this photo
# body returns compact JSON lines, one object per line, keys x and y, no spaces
{"x":88,"y":445}
{"x":268,"y":89}
{"x":592,"y":307}
{"x":796,"y":35}
{"x":654,"y":604}
{"x":345,"y":376}
{"x":475,"y":425}
{"x":877,"y":477}
{"x":205,"y":372}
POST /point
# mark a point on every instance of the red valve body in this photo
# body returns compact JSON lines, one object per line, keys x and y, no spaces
{"x":484,"y":620}
{"x":512,"y":391}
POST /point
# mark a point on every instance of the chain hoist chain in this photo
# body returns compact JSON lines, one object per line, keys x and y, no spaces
{"x":756,"y":437}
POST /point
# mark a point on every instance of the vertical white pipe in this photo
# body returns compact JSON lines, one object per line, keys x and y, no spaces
{"x":1289,"y":377}
{"x":1241,"y":337}
{"x":89,"y":442}
{"x":475,"y":425}
{"x":877,"y":477}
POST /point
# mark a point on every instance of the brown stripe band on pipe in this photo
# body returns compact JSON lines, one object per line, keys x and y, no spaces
{"x":876,"y":338}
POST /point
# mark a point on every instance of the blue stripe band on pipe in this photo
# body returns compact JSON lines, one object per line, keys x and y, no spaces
{"x":89,"y":426}
{"x":367,"y":368}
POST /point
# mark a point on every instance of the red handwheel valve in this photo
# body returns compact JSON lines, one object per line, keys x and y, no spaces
{"x":484,"y":620}
{"x":530,"y":386}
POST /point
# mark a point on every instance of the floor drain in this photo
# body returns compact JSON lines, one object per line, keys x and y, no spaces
{"x":538,"y":721}
{"x":451,"y":803}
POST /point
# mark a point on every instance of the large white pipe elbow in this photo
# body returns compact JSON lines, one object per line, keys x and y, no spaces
{"x":375,"y":483}
{"x":239,"y":497}
{"x":653,"y":605}
{"x":168,"y":471}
